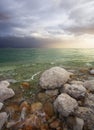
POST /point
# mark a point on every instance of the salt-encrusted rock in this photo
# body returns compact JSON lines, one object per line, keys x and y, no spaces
{"x":89,"y":101}
{"x":1,"y":105}
{"x":75,"y":90}
{"x":79,"y":123}
{"x":87,"y":115}
{"x":52,"y":92}
{"x":54,"y":78}
{"x":75,"y":123}
{"x":6,"y":93}
{"x":83,"y":112}
{"x":3,"y":119}
{"x":76,"y":82}
{"x":4,"y":83}
{"x":65,"y":105}
{"x":89,"y":85}
{"x":91,"y":71}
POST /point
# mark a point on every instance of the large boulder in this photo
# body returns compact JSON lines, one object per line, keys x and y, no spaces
{"x":3,"y":119}
{"x":54,"y":78}
{"x":65,"y":105}
{"x":75,"y":90}
{"x":89,"y":85}
{"x":5,"y":93}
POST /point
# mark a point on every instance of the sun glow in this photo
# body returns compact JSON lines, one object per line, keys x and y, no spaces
{"x":84,"y":41}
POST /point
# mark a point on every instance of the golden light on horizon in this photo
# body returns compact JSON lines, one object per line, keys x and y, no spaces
{"x":85,"y":41}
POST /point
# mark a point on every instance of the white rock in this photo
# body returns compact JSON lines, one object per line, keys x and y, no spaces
{"x":6,"y":93}
{"x":84,"y":113}
{"x":91,"y":71}
{"x":65,"y":105}
{"x":75,"y":90}
{"x":54,"y":78}
{"x":1,"y":105}
{"x":79,"y":123}
{"x":89,"y":85}
{"x":89,"y":101}
{"x":87,"y":115}
{"x":3,"y":119}
{"x":4,"y":83}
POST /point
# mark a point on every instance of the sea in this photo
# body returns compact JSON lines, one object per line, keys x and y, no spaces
{"x":68,"y":57}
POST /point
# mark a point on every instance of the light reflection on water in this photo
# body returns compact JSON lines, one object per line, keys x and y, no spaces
{"x":68,"y":57}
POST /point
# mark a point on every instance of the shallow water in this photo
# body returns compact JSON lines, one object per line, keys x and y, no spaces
{"x":68,"y":57}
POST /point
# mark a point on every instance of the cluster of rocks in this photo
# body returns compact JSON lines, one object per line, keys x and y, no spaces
{"x":62,"y":104}
{"x":74,"y":101}
{"x":5,"y":93}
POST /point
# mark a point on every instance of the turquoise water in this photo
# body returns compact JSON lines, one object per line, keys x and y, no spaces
{"x":68,"y":57}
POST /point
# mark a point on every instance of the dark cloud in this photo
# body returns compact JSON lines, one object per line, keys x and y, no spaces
{"x":25,"y":42}
{"x":4,"y":17}
{"x":46,"y":18}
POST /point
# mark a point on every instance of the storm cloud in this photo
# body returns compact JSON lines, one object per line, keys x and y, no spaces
{"x":49,"y":19}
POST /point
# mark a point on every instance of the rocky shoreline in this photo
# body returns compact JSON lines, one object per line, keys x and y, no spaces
{"x":65,"y":101}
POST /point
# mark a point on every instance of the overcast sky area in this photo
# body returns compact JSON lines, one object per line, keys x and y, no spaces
{"x":48,"y":23}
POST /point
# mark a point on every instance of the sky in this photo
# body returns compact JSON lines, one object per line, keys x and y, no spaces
{"x":47,"y":23}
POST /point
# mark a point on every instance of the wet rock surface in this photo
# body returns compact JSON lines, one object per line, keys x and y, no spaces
{"x":47,"y":107}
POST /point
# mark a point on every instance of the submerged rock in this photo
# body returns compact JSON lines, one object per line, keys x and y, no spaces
{"x":25,"y":85}
{"x":75,"y":90}
{"x":35,"y":122}
{"x":49,"y":109}
{"x":65,"y":105}
{"x":42,"y":97}
{"x":3,"y":119}
{"x":54,"y":78}
{"x":12,"y":81}
{"x":55,"y":124}
{"x":36,"y":107}
{"x":52,"y":93}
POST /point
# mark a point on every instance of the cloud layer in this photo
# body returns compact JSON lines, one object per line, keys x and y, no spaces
{"x":59,"y":19}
